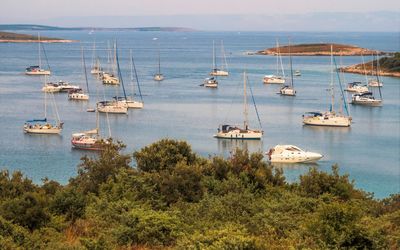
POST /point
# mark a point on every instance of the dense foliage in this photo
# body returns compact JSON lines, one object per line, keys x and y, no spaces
{"x":172,"y":198}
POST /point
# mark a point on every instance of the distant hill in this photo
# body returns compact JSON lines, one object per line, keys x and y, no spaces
{"x":9,"y":37}
{"x":389,"y":66}
{"x":16,"y":27}
{"x":321,"y":49}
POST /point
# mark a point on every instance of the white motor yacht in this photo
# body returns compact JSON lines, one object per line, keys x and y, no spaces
{"x":273,"y":79}
{"x":356,"y":87}
{"x":292,"y":154}
{"x":109,"y":79}
{"x":78,"y":95}
{"x":210,"y":83}
{"x":366,"y":99}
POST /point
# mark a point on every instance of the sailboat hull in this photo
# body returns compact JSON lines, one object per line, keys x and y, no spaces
{"x":38,"y":73}
{"x":240,"y":135}
{"x":273,"y":80}
{"x":158,"y":77}
{"x":337,"y":121}
{"x":219,"y":73}
{"x":54,"y":130}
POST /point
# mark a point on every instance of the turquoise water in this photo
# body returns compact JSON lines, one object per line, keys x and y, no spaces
{"x":178,"y":108}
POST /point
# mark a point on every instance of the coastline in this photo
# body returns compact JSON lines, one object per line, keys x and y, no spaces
{"x":35,"y":41}
{"x":355,"y":70}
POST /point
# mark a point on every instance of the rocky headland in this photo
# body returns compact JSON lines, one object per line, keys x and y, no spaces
{"x":320,"y":49}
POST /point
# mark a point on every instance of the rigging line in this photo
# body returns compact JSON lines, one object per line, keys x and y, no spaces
{"x":254,"y":102}
{"x":119,"y":70}
{"x":377,"y":76}
{"x":344,"y":97}
{"x":45,"y":56}
{"x":137,"y":78}
{"x":341,"y":88}
{"x":232,"y":101}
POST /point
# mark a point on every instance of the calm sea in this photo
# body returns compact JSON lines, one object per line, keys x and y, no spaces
{"x":179,"y":108}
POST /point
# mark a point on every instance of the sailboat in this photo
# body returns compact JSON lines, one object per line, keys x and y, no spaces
{"x":227,"y":131}
{"x":128,"y":101}
{"x":89,"y":140}
{"x":96,"y":68}
{"x":375,"y":82}
{"x":331,"y":117}
{"x":223,"y":71}
{"x":278,"y":79}
{"x":114,"y":106}
{"x":110,"y":78}
{"x":158,"y":76}
{"x":367,"y":98}
{"x":289,"y":89}
{"x":42,"y":126}
{"x":79,"y":94}
{"x":37,"y":69}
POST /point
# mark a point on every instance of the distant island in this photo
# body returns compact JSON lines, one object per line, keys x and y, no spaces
{"x":9,"y":37}
{"x":320,"y":49}
{"x":389,"y":66}
{"x":13,"y":27}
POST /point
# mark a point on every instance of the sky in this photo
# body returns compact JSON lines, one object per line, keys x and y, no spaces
{"x":91,"y":12}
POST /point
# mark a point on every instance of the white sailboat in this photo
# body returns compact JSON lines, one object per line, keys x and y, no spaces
{"x":37,"y":69}
{"x":367,"y":98}
{"x":96,"y":68}
{"x":159,"y":76}
{"x":331,"y":117}
{"x":291,"y":154}
{"x":129,"y":101}
{"x":376,"y":82}
{"x":236,"y":132}
{"x":89,"y":140}
{"x":43,"y":126}
{"x":278,"y":78}
{"x":79,"y":94}
{"x":288,"y":90}
{"x":107,"y":77}
{"x":114,"y":106}
{"x":223,"y":71}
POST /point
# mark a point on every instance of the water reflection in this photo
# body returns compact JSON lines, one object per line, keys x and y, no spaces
{"x":227,"y":146}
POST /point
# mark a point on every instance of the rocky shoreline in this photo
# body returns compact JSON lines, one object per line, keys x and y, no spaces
{"x":355,"y":69}
{"x":320,"y":50}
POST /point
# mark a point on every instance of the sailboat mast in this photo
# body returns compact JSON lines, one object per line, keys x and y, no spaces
{"x":277,"y":57}
{"x":131,"y":62}
{"x":245,"y":111}
{"x":84,"y":70}
{"x":377,"y":75}
{"x":40,"y":59}
{"x":94,"y":62}
{"x":45,"y":98}
{"x":119,"y":71}
{"x":291,"y":68}
{"x":332,"y":86}
{"x":224,"y":62}
{"x":214,"y":61}
{"x":159,"y":59}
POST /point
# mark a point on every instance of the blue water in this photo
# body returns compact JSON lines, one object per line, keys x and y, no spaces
{"x":178,"y":108}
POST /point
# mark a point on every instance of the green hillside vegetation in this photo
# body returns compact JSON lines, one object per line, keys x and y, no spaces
{"x":314,"y":47}
{"x":172,"y":198}
{"x":388,"y":64}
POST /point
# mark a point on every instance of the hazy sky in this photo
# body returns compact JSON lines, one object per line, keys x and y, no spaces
{"x":26,"y":10}
{"x":341,"y":15}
